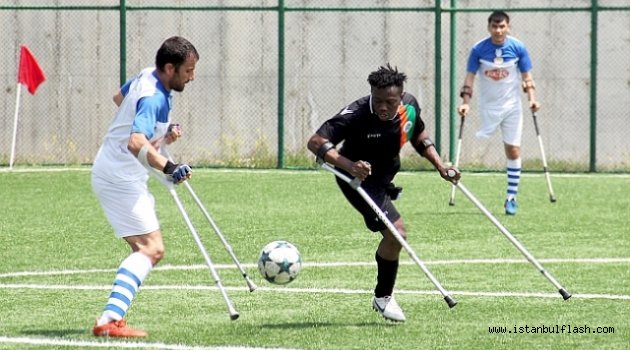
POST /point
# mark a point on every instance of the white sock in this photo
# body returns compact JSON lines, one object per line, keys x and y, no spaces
{"x":132,"y":271}
{"x":513,"y":177}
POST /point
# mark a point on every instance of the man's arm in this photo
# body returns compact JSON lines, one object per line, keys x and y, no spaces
{"x":139,"y":146}
{"x":323,"y":149}
{"x":466,"y":94}
{"x":118,"y":98}
{"x":529,"y":88}
{"x":425,"y":147}
{"x":154,"y":159}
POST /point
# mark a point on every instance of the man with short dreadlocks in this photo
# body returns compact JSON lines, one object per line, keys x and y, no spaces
{"x":374,"y":129}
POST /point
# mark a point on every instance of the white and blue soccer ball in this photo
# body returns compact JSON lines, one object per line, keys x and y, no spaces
{"x":279,"y":262}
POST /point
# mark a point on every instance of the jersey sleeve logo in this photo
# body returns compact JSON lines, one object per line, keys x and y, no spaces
{"x":407,"y":122}
{"x":345,"y":111}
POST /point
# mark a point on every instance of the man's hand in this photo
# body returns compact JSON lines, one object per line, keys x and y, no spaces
{"x":178,"y":173}
{"x":534,"y":106}
{"x":181,"y":173}
{"x":361,"y":170}
{"x":463,"y":109}
{"x":451,"y":174}
{"x":173,"y":133}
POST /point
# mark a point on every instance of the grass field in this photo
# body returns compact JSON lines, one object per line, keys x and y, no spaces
{"x":59,"y":256}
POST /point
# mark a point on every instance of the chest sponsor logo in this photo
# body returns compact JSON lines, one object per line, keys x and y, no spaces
{"x":497,"y":73}
{"x":374,"y":135}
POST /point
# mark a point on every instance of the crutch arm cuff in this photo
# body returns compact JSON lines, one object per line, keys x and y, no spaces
{"x":322,"y":150}
{"x":466,"y":90}
{"x":423,"y":145}
{"x":143,"y":155}
{"x":528,"y":84}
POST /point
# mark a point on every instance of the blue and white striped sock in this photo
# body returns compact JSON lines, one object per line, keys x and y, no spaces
{"x":513,"y":177}
{"x":132,"y":271}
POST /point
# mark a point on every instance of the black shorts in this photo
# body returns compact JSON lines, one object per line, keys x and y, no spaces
{"x":379,"y":195}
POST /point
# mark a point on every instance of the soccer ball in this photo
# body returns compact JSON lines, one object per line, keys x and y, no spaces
{"x":279,"y":262}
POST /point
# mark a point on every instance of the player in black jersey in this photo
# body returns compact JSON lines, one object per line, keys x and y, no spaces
{"x":373,"y":130}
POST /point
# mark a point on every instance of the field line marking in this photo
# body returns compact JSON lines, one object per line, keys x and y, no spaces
{"x":316,"y":290}
{"x":314,"y":171}
{"x":119,"y":344}
{"x":168,"y":267}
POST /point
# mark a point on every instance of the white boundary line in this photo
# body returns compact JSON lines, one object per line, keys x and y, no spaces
{"x":119,"y":344}
{"x":315,"y":171}
{"x":162,"y":346}
{"x":315,"y":290}
{"x":334,"y":264}
{"x":319,"y":290}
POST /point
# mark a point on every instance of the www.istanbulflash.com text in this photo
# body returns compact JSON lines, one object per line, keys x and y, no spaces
{"x":551,"y":329}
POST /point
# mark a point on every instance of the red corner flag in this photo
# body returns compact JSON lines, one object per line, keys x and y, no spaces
{"x":30,"y":73}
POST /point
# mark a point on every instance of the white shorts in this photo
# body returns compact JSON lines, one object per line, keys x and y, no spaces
{"x":510,"y":120}
{"x":129,"y":207}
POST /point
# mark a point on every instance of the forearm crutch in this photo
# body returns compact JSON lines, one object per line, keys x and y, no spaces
{"x":565,"y":294}
{"x":171,"y":189}
{"x":552,"y":196}
{"x":457,"y":154}
{"x":216,"y":229}
{"x":356,"y":185}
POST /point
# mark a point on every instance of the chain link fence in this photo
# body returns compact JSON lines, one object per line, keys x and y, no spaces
{"x":272,"y":71}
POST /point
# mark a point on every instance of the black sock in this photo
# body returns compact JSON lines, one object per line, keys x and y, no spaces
{"x":386,"y":277}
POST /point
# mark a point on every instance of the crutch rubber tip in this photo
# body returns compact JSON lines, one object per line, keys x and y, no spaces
{"x":450,"y":301}
{"x":552,"y":199}
{"x":565,"y":295}
{"x":452,"y":204}
{"x":250,"y":284}
{"x":234,"y":316}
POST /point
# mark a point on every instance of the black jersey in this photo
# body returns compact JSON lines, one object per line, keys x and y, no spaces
{"x":366,"y":137}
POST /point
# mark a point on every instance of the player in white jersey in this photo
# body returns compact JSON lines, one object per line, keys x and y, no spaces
{"x":499,"y":59}
{"x":121,"y":171}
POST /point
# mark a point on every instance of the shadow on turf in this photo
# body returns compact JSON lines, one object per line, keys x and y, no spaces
{"x":56,"y":332}
{"x":308,"y":325}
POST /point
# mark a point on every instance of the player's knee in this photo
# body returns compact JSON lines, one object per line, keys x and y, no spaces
{"x":158,"y":255}
{"x":400,"y":227}
{"x":155,"y":253}
{"x":512,"y":151}
{"x":392,"y":242}
{"x":395,"y":241}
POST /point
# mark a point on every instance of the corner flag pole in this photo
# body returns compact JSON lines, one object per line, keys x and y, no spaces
{"x":31,"y":75}
{"x":15,"y":123}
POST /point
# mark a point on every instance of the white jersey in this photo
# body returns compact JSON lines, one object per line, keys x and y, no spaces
{"x":499,"y":85}
{"x":114,"y":162}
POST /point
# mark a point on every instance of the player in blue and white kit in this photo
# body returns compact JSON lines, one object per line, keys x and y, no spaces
{"x":504,"y":68}
{"x":121,"y":171}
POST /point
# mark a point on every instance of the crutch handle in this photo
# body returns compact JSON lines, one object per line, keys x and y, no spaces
{"x":355,"y":183}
